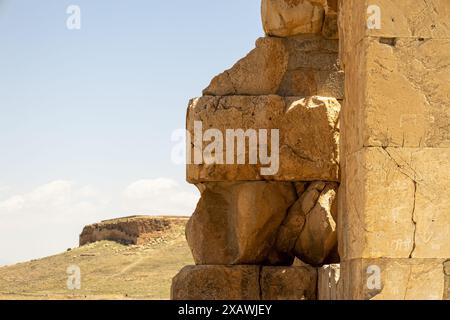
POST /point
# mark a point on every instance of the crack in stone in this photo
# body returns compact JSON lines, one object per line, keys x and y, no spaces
{"x":413,"y":219}
{"x":400,"y":167}
{"x":407,"y":283}
{"x":413,"y":213}
{"x":260,"y":282}
{"x":300,"y":156}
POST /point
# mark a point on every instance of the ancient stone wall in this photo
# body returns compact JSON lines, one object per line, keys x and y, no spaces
{"x":358,"y":197}
{"x":252,"y":223}
{"x":395,"y":188}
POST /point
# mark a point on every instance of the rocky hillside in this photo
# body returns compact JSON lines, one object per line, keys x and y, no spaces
{"x":138,"y":230}
{"x":109,"y":269}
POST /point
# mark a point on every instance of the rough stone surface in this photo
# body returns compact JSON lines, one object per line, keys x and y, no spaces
{"x":394,"y":195}
{"x":391,"y":216}
{"x":244,"y":283}
{"x":392,"y":279}
{"x":330,"y":28}
{"x":135,"y":230}
{"x":237,"y":222}
{"x":397,"y":203}
{"x":216,"y":283}
{"x":397,"y":93}
{"x":260,"y":72}
{"x":318,"y":237}
{"x":399,"y":19}
{"x":328,"y":279}
{"x":308,"y":136}
{"x":283,"y":18}
{"x":309,"y":230}
{"x":291,"y":228}
{"x":291,"y":283}
{"x":298,"y":66}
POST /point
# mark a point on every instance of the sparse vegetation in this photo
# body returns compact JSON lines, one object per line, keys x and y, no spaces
{"x":109,"y":270}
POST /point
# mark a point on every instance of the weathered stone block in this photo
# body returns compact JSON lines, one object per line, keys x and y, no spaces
{"x":237,"y":222}
{"x":397,"y":94}
{"x":283,"y":18}
{"x":216,"y":283}
{"x":260,"y":72}
{"x":309,"y":230}
{"x":298,"y":66}
{"x":318,"y":238}
{"x":396,"y":204}
{"x":308,"y":82}
{"x":244,"y":283}
{"x":291,"y":283}
{"x":328,"y":279}
{"x":308,"y":138}
{"x":392,"y":19}
{"x":392,"y":279}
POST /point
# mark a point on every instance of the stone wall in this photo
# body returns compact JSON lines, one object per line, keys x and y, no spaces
{"x":361,"y":192}
{"x":250,"y":226}
{"x":395,"y":158}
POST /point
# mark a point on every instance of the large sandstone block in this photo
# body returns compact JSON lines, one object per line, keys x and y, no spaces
{"x":309,"y":231}
{"x":216,"y":283}
{"x":308,"y":138}
{"x":284,"y":18}
{"x":237,"y":222}
{"x":298,"y":66}
{"x":392,"y":279}
{"x":260,"y":72}
{"x":396,"y":204}
{"x":244,"y":283}
{"x":392,"y":19}
{"x":397,"y":94}
{"x":290,"y":283}
{"x":318,"y":239}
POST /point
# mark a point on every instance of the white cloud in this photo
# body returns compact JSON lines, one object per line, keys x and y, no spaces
{"x":160,"y":196}
{"x":49,"y":218}
{"x":56,"y":199}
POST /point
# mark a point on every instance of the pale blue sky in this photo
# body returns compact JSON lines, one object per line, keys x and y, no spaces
{"x":86,"y":115}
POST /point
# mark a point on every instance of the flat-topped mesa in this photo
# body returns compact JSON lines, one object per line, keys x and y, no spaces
{"x":135,"y":230}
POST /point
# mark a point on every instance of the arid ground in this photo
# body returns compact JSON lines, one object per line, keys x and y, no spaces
{"x":108,"y":271}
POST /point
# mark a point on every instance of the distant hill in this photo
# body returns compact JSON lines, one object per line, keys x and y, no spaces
{"x":109,"y":269}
